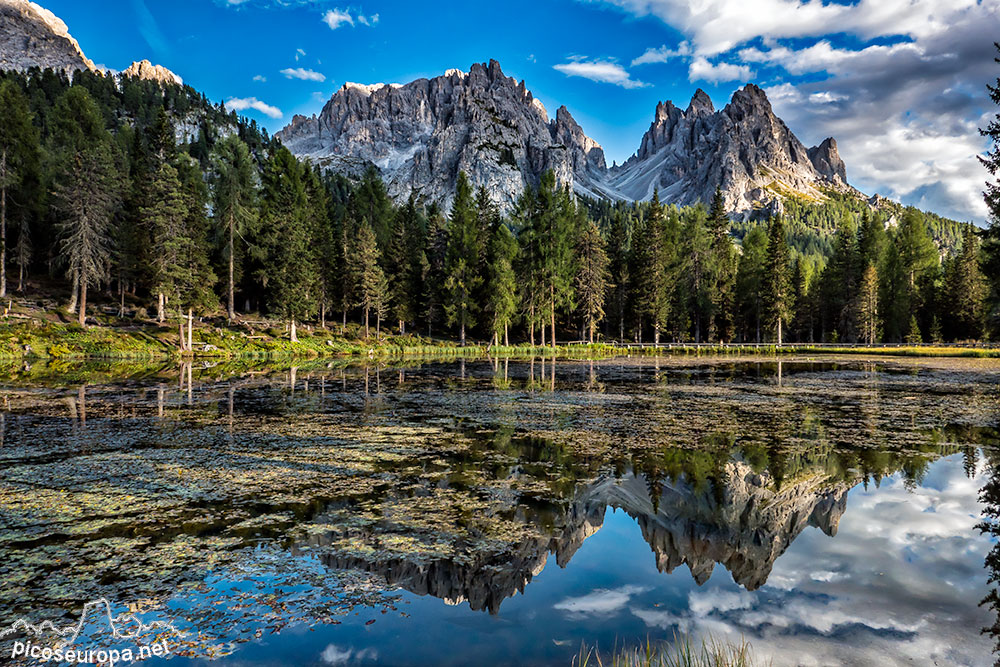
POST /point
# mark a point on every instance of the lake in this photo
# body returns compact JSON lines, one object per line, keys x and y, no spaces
{"x":501,"y":511}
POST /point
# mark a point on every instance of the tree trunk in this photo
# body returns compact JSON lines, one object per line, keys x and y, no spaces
{"x":656,"y":334}
{"x":402,"y":327}
{"x":180,"y":330}
{"x":343,"y":323}
{"x":294,"y":335}
{"x":159,"y":307}
{"x":591,"y":331}
{"x":541,"y":331}
{"x":378,"y":325}
{"x":779,"y":331}
{"x":322,"y":316}
{"x":366,"y":324}
{"x":461,"y":334}
{"x":3,"y":224}
{"x":506,"y":340}
{"x":231,"y":312}
{"x":190,"y":345}
{"x":83,"y":300}
{"x":552,"y":303}
{"x":74,"y":295}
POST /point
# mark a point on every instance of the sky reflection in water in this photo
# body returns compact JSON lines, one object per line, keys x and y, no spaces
{"x":736,"y":496}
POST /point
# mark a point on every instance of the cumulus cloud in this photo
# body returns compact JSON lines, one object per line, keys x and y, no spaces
{"x":703,"y":70}
{"x":260,"y":78}
{"x":303,"y":74}
{"x":602,"y":71}
{"x":336,"y":18}
{"x":244,"y":103}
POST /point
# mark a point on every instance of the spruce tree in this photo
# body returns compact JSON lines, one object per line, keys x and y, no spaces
{"x":503,"y":288}
{"x":965,"y":292}
{"x":369,"y":279}
{"x":593,"y":278}
{"x":866,"y":305}
{"x":991,"y":236}
{"x":750,"y":283}
{"x":650,"y":297}
{"x":723,"y":270}
{"x":18,"y":155}
{"x":618,"y":250}
{"x":233,"y":177}
{"x":777,"y":279}
{"x":463,"y":274}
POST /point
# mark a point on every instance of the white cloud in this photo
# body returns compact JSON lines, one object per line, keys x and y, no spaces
{"x":335,"y":18}
{"x":662,"y":54}
{"x":303,"y":74}
{"x":298,"y":54}
{"x":334,"y":655}
{"x":602,"y":71}
{"x":244,"y":103}
{"x":601,"y":601}
{"x":703,"y":70}
{"x":260,"y":78}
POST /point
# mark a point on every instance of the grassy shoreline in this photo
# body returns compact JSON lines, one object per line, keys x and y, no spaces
{"x":69,"y":342}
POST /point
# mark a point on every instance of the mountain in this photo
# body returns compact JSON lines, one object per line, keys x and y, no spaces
{"x":744,"y":149}
{"x":420,"y":135}
{"x":147,"y":71}
{"x":32,"y":36}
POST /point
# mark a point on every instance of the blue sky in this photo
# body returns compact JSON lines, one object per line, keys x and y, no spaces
{"x":899,"y":83}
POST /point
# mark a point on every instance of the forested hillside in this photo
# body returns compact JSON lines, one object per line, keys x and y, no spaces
{"x":170,"y":207}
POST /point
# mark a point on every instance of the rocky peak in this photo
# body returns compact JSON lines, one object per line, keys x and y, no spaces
{"x":422,"y":134}
{"x":32,"y":36}
{"x":701,"y":103}
{"x":146,"y":70}
{"x":827,"y":160}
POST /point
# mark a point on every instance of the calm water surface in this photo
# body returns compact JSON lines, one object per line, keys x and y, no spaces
{"x":503,"y":512}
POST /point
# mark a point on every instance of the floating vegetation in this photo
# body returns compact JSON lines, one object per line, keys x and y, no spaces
{"x":324,"y":487}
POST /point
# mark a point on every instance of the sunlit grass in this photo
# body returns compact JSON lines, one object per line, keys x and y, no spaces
{"x":682,"y":652}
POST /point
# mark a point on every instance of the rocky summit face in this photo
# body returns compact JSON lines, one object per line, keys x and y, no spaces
{"x":744,"y":149}
{"x":144,"y":69}
{"x":422,"y":134}
{"x":32,"y":36}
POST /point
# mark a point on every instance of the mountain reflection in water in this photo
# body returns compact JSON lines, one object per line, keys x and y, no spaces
{"x":461,"y":482}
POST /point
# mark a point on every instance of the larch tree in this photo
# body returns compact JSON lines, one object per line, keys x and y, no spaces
{"x":866,"y":305}
{"x":593,"y":277}
{"x":233,"y":179}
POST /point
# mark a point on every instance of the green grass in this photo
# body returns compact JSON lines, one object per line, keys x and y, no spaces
{"x":682,"y":652}
{"x":66,"y":341}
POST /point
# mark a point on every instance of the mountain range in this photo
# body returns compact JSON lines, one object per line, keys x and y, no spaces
{"x":421,"y":135}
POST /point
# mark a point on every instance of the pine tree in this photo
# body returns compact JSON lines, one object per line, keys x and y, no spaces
{"x":165,"y":216}
{"x":463,"y":275}
{"x":400,"y":265}
{"x":18,"y":155}
{"x":593,"y":278}
{"x":233,"y":178}
{"x":432,"y":269}
{"x":369,"y":279}
{"x":840,"y":283}
{"x":777,"y":278}
{"x":911,"y":267}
